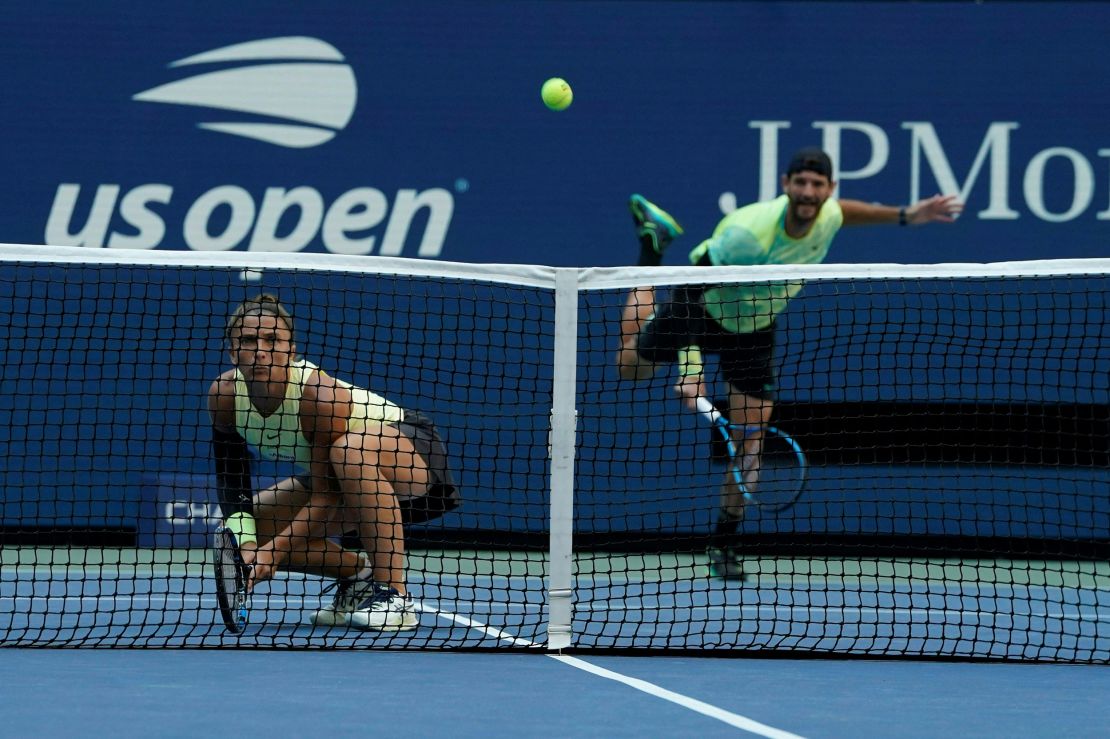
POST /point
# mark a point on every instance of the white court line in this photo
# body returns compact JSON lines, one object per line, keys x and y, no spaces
{"x":133,"y":572}
{"x":275,"y":602}
{"x":497,"y":607}
{"x":477,"y":626}
{"x":706,"y":709}
{"x":692,"y":704}
{"x":1093,"y":615}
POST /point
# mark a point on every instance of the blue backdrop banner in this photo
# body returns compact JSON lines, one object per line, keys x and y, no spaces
{"x":416,"y":128}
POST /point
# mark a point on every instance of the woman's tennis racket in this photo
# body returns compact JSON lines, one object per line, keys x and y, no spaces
{"x":782,"y":463}
{"x":232,"y":576}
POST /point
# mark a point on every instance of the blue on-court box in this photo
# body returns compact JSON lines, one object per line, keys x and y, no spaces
{"x":178,"y":510}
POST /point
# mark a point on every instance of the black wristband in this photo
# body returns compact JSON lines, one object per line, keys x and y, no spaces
{"x":233,"y":472}
{"x":902,"y":216}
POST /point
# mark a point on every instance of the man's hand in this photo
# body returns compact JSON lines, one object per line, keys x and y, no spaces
{"x":937,"y":209}
{"x":689,"y":388}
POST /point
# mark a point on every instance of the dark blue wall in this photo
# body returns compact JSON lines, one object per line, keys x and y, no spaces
{"x":695,"y":104}
{"x":671,"y":100}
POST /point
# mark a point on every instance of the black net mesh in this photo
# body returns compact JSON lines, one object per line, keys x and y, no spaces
{"x":955,"y":433}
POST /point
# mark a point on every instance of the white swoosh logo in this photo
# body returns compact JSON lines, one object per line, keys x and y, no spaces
{"x":310,"y":87}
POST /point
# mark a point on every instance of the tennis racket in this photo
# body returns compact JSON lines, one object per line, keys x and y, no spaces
{"x":232,"y":576}
{"x":782,"y":463}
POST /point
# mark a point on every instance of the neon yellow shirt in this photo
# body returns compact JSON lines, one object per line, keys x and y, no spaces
{"x":756,"y":234}
{"x":279,"y":435}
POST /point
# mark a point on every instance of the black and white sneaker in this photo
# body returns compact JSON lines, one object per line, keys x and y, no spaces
{"x":349,"y":595}
{"x":385,"y":610}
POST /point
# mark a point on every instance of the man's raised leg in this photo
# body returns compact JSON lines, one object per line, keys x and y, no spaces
{"x":655,"y":229}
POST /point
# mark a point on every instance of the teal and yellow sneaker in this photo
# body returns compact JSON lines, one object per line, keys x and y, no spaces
{"x":725,"y":564}
{"x":654,"y":223}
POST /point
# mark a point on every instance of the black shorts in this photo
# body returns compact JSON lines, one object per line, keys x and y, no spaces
{"x":443,"y":494}
{"x":746,"y":360}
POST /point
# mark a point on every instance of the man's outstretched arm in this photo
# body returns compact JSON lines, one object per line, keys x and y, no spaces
{"x":937,"y":209}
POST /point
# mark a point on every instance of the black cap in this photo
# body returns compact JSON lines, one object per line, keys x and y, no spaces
{"x":810,"y":159}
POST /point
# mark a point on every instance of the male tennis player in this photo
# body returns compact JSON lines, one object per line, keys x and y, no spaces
{"x":366,"y":466}
{"x":737,"y":322}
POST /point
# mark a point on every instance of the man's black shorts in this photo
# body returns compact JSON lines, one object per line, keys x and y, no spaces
{"x":746,"y":360}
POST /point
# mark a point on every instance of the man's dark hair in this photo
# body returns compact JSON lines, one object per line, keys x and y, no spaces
{"x":810,"y":159}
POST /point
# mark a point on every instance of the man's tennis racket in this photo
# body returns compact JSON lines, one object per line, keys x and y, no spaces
{"x":782,"y":463}
{"x":232,"y":576}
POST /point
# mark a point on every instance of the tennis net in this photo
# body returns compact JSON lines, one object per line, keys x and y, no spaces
{"x":954,"y":422}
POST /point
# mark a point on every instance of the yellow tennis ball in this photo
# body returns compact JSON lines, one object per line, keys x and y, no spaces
{"x":556,"y":94}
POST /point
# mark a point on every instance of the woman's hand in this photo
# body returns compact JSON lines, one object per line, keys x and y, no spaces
{"x":264,"y":562}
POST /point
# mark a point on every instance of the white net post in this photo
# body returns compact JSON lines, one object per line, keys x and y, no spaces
{"x":563,"y":427}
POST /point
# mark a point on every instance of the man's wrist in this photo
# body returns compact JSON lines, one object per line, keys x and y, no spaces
{"x":902,"y":217}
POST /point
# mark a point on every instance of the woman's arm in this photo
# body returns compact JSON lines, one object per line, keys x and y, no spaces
{"x":323,"y":419}
{"x":229,"y":452}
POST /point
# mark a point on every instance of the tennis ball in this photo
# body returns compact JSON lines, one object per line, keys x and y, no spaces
{"x":556,"y":94}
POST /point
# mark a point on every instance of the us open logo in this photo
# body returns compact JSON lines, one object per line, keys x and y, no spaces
{"x":295,"y":92}
{"x":300,"y":82}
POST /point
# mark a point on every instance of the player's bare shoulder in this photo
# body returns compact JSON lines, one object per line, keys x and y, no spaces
{"x":325,"y":406}
{"x":323,"y":388}
{"x":222,"y":392}
{"x":223,"y":386}
{"x":221,"y":396}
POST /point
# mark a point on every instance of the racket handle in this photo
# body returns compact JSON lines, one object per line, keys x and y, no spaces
{"x":708,"y":410}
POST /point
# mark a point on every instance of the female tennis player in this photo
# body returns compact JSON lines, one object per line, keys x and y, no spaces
{"x":365,"y":466}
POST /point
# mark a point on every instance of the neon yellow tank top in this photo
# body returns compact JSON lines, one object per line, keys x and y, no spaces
{"x":756,"y":234}
{"x":279,"y":436}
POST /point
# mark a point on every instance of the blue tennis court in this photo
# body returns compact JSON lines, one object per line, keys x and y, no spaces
{"x":182,"y":693}
{"x":1046,"y":611}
